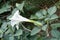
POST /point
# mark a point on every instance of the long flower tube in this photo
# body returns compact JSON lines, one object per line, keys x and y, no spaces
{"x":17,"y":18}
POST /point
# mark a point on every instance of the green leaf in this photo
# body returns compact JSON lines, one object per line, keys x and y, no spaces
{"x":53,"y":39}
{"x":35,"y":30}
{"x":44,"y":27}
{"x":18,"y":32}
{"x":5,"y":8}
{"x":4,"y":26}
{"x":46,"y":19}
{"x":7,"y":32}
{"x":1,"y":33}
{"x":29,"y":7}
{"x":39,"y":14}
{"x":55,"y":33}
{"x":13,"y":12}
{"x":11,"y":29}
{"x":11,"y":38}
{"x":33,"y":37}
{"x":6,"y":37}
{"x":52,"y":10}
{"x":54,"y":16}
{"x":20,"y":6}
{"x":59,"y":38}
{"x":55,"y":25}
{"x":44,"y":12}
{"x":34,"y":17}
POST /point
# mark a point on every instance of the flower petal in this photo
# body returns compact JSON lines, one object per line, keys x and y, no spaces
{"x":18,"y":17}
{"x":13,"y":22}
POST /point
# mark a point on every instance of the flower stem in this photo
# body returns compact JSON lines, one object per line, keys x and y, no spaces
{"x":36,"y":22}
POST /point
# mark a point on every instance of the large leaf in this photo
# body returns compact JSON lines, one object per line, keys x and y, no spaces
{"x":34,"y":17}
{"x":8,"y":37}
{"x":7,"y":32}
{"x":39,"y":14}
{"x":20,"y":6}
{"x":33,"y":37}
{"x":18,"y":32}
{"x":55,"y":25}
{"x":54,"y":16}
{"x":11,"y":29}
{"x":44,"y":27}
{"x":46,"y":19}
{"x":54,"y":39}
{"x":43,"y":11}
{"x":11,"y":38}
{"x":4,"y":26}
{"x":35,"y":30}
{"x":5,"y":8}
{"x":1,"y":33}
{"x":52,"y":10}
{"x":14,"y":10}
{"x":55,"y":33}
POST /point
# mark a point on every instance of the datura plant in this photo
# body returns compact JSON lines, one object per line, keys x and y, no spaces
{"x":16,"y":19}
{"x":21,"y":20}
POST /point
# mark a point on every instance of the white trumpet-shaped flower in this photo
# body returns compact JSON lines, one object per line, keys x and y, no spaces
{"x":16,"y":19}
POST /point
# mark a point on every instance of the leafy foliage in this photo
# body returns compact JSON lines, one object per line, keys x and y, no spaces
{"x":22,"y":20}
